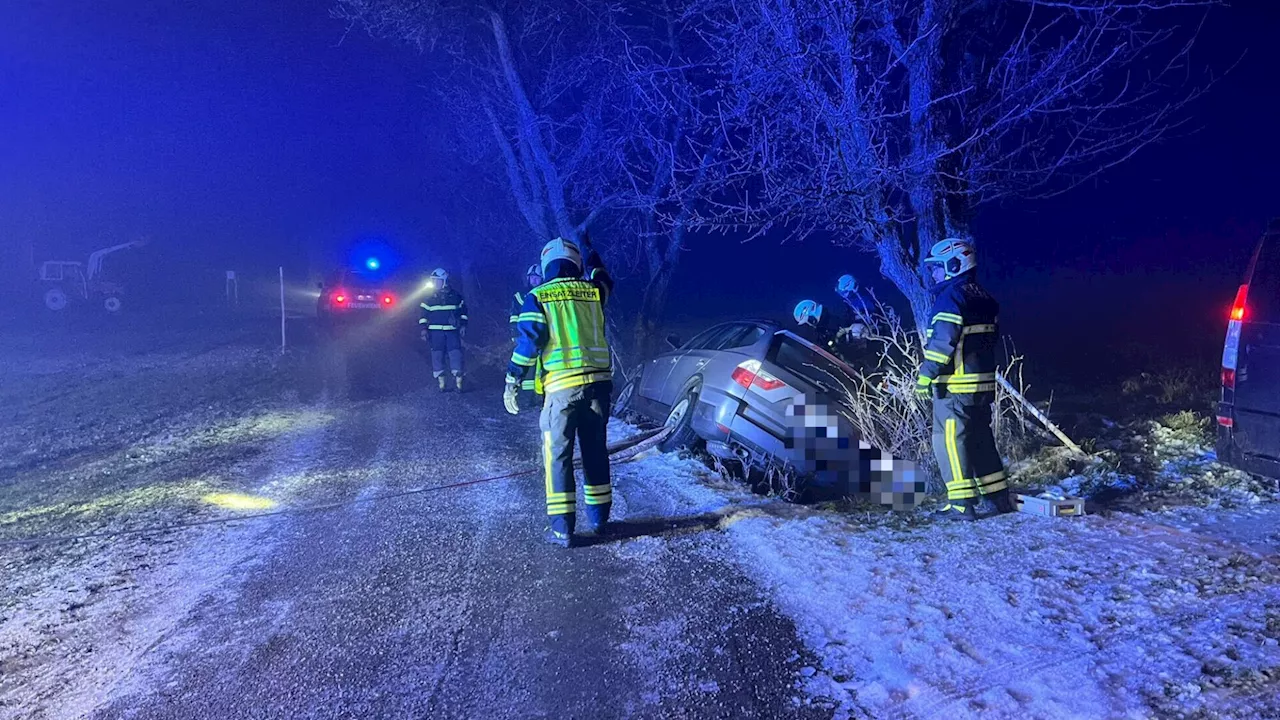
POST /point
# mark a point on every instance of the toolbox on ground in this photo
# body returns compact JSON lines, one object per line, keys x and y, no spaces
{"x":1050,"y":507}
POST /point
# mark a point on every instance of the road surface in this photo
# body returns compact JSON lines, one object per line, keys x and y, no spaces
{"x":437,"y":604}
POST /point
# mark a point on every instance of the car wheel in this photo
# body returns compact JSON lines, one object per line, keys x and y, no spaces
{"x":622,"y":405}
{"x":112,"y":304}
{"x":55,"y":299}
{"x":680,"y":420}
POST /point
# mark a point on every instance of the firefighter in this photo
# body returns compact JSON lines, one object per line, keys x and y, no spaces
{"x":959,"y":376}
{"x":443,"y":323}
{"x":533,"y":278}
{"x":820,"y":326}
{"x":562,"y":337}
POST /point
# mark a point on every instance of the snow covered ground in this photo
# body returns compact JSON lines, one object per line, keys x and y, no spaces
{"x":1163,"y":615}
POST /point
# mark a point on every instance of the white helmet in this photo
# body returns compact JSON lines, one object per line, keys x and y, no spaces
{"x":846,"y":284}
{"x":808,"y":312}
{"x":559,"y":249}
{"x":440,"y":275}
{"x":956,"y":256}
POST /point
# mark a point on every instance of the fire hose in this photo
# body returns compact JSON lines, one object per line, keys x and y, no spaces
{"x":622,"y":451}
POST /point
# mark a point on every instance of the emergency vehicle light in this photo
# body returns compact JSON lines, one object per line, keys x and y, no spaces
{"x":1237,"y":308}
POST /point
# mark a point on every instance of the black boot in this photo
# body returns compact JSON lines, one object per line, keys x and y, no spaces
{"x":1002,"y":501}
{"x":957,"y":510}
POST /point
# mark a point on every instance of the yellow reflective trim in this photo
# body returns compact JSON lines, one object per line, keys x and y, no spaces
{"x":966,"y":378}
{"x":561,"y":509}
{"x":546,"y":461}
{"x":532,"y":317}
{"x":436,"y":308}
{"x":441,"y":327}
{"x":978,"y":329}
{"x":971,"y":389}
{"x":936,"y":356}
{"x":994,"y":482}
{"x":924,"y":381}
{"x":559,"y":497}
{"x":553,"y":383}
{"x":599,"y":499}
{"x":960,"y":356}
{"x":522,"y":360}
{"x":424,"y":306}
{"x":512,"y":319}
{"x":422,"y":321}
{"x":597,"y":489}
{"x":949,"y":317}
{"x":953,"y":457}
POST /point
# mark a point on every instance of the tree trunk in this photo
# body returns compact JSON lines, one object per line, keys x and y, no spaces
{"x":897,"y":267}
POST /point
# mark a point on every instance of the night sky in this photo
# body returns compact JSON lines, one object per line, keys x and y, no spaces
{"x":244,"y":133}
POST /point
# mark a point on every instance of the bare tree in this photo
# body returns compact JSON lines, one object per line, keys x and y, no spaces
{"x":887,"y":122}
{"x":518,"y":72}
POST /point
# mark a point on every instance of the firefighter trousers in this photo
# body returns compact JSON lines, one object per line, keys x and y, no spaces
{"x":445,"y":345}
{"x":579,"y":414}
{"x":966,"y":447}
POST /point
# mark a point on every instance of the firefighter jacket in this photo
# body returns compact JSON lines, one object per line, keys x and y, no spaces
{"x":960,"y":347}
{"x":444,"y":310}
{"x":561,"y":331}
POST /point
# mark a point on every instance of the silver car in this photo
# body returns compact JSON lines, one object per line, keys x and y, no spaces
{"x":758,"y":396}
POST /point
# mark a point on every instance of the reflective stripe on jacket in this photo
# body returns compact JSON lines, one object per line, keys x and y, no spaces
{"x":961,"y":342}
{"x":444,"y":310}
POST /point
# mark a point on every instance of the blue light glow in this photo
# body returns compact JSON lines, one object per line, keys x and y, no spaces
{"x":372,"y":263}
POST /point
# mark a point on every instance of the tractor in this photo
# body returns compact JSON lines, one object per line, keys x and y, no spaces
{"x":71,"y":281}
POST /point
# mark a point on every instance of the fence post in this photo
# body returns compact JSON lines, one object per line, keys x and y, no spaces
{"x":282,"y":323}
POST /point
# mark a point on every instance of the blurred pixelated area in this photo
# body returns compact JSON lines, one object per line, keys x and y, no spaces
{"x":839,"y":461}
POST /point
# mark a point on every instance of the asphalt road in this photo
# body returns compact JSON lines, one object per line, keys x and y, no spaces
{"x":448,"y":604}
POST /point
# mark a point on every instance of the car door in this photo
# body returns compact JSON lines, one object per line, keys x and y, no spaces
{"x":694,"y":358}
{"x":1257,"y":381}
{"x":658,"y":369}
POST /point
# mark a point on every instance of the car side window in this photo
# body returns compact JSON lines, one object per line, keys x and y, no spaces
{"x":704,"y":339}
{"x":1264,"y":286}
{"x":741,"y":336}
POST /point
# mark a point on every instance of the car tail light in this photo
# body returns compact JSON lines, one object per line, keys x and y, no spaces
{"x":1228,"y":378}
{"x":748,"y":374}
{"x":388,"y":299}
{"x":1238,"y":307}
{"x":1226,"y":422}
{"x":340,"y":297}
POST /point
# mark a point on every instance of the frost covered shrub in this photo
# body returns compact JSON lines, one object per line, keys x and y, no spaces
{"x":1167,"y":459}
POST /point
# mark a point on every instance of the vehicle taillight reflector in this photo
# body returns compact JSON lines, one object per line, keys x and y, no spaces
{"x":387,"y":299}
{"x":339,"y":297}
{"x":1228,"y":378}
{"x":1226,"y":421}
{"x":1237,"y":307}
{"x":748,"y":373}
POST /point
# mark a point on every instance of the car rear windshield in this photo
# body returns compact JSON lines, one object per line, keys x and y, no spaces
{"x":1264,"y":286}
{"x":811,"y":365}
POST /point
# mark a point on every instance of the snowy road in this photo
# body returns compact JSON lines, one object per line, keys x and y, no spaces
{"x":712,"y":603}
{"x":441,"y":604}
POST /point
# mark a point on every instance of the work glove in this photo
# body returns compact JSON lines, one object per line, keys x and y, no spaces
{"x":509,"y":396}
{"x":924,"y":390}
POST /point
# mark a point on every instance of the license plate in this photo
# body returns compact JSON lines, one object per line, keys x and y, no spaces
{"x":360,"y":305}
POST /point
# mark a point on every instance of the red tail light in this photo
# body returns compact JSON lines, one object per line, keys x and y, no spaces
{"x":1237,"y":308}
{"x":748,"y":373}
{"x":1226,"y":422}
{"x":1228,"y":378}
{"x":340,"y":297}
{"x":388,"y":300}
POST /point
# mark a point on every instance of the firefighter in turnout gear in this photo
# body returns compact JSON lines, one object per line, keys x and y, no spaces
{"x":533,"y":278}
{"x":959,"y":375}
{"x":443,"y":322}
{"x":561,"y":336}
